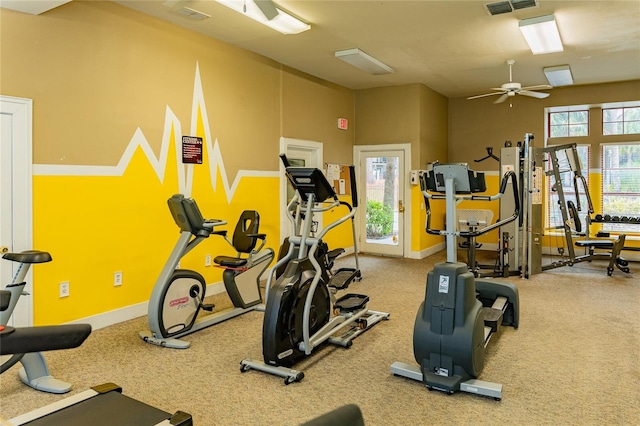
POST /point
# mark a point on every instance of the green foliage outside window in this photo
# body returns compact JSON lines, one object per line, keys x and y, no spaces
{"x":379,"y":219}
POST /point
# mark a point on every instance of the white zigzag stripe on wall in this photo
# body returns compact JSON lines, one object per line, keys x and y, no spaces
{"x":185,"y":172}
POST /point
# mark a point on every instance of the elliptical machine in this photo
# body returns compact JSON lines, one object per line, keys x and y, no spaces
{"x":34,"y":371}
{"x":178,"y":295}
{"x":460,"y":313}
{"x":300,"y":303}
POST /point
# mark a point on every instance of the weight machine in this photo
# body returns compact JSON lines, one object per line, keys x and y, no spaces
{"x":564,"y":159}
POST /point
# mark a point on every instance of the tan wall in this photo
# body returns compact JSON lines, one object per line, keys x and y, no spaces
{"x":410,"y":113}
{"x":96,"y":71}
{"x":310,"y":110}
{"x":476,"y":124}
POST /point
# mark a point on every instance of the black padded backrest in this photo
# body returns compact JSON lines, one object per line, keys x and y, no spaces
{"x":249,"y":223}
{"x":5,"y":297}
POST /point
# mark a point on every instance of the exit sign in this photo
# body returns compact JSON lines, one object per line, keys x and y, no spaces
{"x":343,"y":123}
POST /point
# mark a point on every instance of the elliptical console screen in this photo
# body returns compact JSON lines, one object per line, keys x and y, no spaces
{"x":307,"y":181}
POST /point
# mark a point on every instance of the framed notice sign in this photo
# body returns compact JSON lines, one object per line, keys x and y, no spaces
{"x":191,"y":150}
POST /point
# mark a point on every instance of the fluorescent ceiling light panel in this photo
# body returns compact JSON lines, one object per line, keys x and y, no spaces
{"x":282,"y":22}
{"x":32,"y":7}
{"x":541,"y":33}
{"x":559,"y":76}
{"x":359,"y":59}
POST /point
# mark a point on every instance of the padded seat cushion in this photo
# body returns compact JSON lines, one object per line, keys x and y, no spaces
{"x":603,"y":244}
{"x":230,"y":262}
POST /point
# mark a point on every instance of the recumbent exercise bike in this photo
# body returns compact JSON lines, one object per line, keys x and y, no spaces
{"x":460,"y":313}
{"x":178,"y":295}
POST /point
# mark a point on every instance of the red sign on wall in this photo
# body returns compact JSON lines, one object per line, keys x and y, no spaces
{"x":191,"y":150}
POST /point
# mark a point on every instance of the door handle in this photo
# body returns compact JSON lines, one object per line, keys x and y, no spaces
{"x":400,"y":206}
{"x":4,"y":249}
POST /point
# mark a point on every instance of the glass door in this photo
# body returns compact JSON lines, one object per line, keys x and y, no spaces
{"x":382,"y":209}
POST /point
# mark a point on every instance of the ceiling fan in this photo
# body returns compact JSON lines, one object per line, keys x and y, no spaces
{"x":512,"y":88}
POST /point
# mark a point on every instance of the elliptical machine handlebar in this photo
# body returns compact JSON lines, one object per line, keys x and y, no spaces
{"x":510,"y":175}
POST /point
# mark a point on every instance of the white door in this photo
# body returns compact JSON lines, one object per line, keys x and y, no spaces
{"x":299,"y":153}
{"x":382,"y":201}
{"x":15,"y":193}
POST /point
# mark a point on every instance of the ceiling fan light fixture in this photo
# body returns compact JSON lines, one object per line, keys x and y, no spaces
{"x":559,"y":75}
{"x":541,"y":34}
{"x":363,"y":61}
{"x":281,"y":22}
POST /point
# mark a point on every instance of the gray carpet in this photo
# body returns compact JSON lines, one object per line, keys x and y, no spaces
{"x":574,"y":360}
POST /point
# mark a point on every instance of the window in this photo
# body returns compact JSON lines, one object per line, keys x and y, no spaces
{"x":621,"y":184}
{"x":554,"y":214}
{"x":568,"y":123}
{"x":621,"y":121}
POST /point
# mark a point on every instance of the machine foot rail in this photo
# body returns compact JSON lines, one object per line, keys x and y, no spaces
{"x":289,"y":375}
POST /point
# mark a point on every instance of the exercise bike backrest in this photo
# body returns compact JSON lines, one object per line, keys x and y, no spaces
{"x":465,"y":182}
{"x":245,"y":236}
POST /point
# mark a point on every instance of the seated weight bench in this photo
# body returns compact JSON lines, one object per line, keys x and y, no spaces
{"x":615,"y":247}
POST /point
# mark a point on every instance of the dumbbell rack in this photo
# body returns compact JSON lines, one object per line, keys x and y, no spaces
{"x":599,"y":218}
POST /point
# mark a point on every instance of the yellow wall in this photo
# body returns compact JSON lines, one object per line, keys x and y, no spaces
{"x":113,"y":92}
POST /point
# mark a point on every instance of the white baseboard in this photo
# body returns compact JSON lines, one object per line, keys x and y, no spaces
{"x":426,"y":252}
{"x":130,"y":312}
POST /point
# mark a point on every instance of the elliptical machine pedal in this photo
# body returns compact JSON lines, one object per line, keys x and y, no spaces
{"x":351,"y":302}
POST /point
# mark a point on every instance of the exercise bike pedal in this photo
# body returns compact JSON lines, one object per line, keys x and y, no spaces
{"x":351,"y":302}
{"x":209,"y":307}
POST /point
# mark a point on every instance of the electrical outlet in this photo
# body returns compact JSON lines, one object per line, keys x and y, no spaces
{"x":207,"y":260}
{"x":64,"y":289}
{"x":117,"y":279}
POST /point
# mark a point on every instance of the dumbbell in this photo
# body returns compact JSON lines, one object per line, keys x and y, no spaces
{"x":607,"y":217}
{"x":625,"y":219}
{"x":598,"y":218}
{"x":616,"y":218}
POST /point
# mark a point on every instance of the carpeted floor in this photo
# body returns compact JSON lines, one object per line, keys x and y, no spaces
{"x":575,"y":359}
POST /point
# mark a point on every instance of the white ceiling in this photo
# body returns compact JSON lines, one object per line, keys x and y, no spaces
{"x":454,"y":47}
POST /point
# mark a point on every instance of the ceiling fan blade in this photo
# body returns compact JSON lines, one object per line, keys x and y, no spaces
{"x":538,"y":87}
{"x":538,"y":95}
{"x":486,"y":94}
{"x":502,"y":98}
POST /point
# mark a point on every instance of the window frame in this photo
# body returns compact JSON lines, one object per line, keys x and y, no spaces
{"x":569,"y":124}
{"x":617,"y":228}
{"x":622,"y":121}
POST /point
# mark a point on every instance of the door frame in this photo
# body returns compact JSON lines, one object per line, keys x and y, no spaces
{"x":316,"y":150}
{"x":358,"y":151}
{"x":20,"y":214}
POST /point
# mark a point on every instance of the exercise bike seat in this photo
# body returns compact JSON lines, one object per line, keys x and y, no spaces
{"x":245,"y":238}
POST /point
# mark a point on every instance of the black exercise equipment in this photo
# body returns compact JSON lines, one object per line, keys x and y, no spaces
{"x":347,"y":415}
{"x":100,"y":406}
{"x":299,"y":305}
{"x":460,"y":313}
{"x":34,"y":372}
